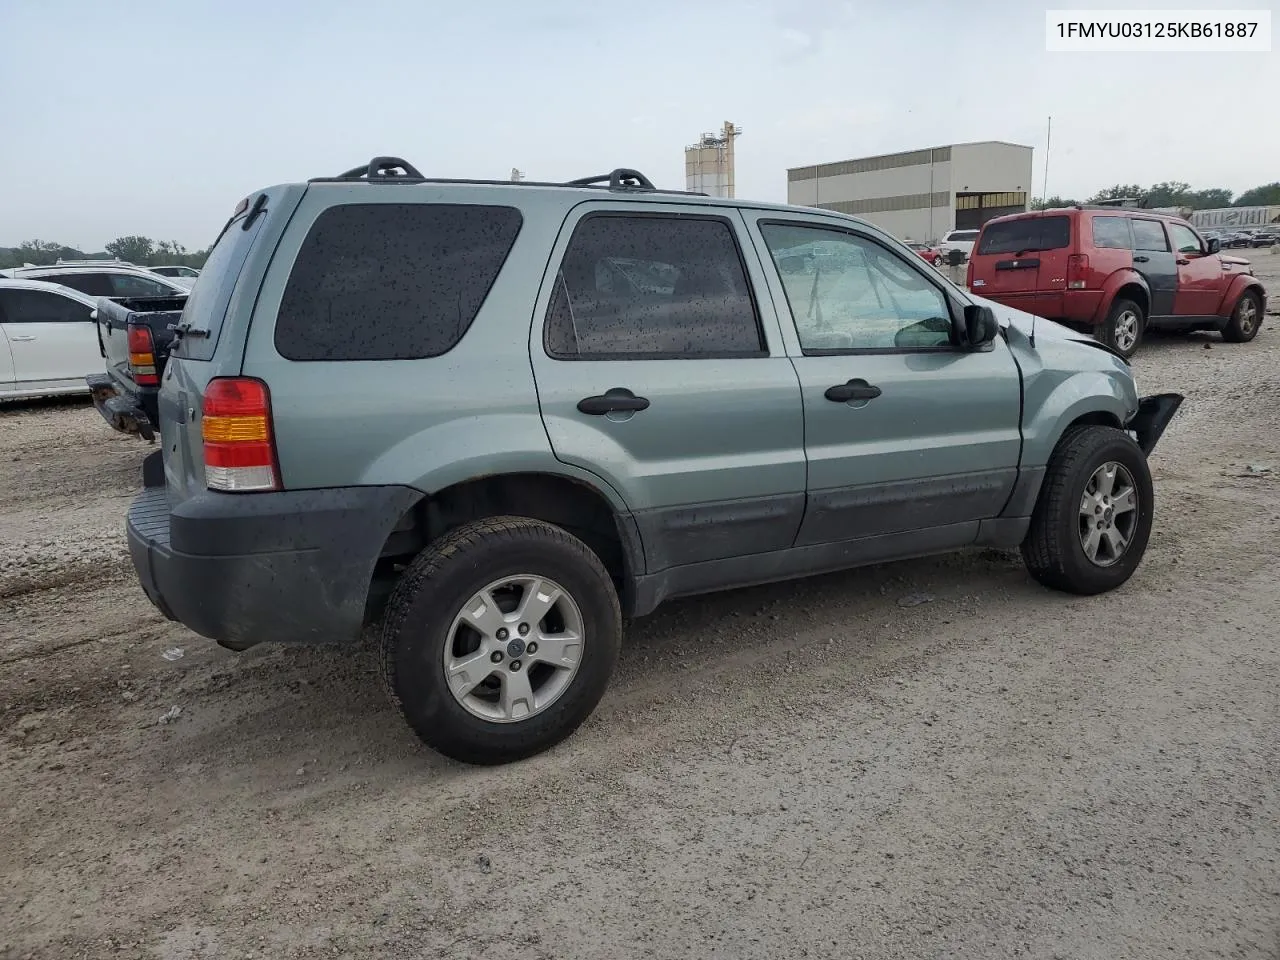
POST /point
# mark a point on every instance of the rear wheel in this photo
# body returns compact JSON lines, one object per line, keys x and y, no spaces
{"x":1091,"y":525}
{"x":500,"y":639}
{"x":1122,"y":330}
{"x":1246,"y":319}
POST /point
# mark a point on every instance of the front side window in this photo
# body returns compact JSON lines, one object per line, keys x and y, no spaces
{"x":37,"y":306}
{"x":1111,"y":233}
{"x":847,"y":292}
{"x":1185,"y":239}
{"x":652,"y":287}
{"x":1149,"y":235}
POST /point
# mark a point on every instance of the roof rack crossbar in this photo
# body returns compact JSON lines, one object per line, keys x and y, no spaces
{"x":623,"y":178}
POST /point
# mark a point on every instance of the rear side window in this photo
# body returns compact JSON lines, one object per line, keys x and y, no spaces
{"x":94,"y":284}
{"x":39,"y":306}
{"x":1026,"y":236}
{"x":652,"y":287}
{"x":392,"y":281}
{"x":127,"y":285}
{"x":1149,"y":235}
{"x":1111,"y":233}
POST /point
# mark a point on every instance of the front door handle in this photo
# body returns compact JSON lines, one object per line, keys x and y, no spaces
{"x":1182,"y":262}
{"x":22,"y":338}
{"x":1141,"y":259}
{"x":853,"y":390}
{"x":614,"y":400}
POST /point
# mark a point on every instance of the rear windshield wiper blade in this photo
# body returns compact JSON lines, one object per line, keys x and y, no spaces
{"x":184,"y":329}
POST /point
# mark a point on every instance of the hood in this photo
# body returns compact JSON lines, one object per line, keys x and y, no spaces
{"x":1234,"y":261}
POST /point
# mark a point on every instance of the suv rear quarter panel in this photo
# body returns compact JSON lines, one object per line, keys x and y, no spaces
{"x":426,"y":423}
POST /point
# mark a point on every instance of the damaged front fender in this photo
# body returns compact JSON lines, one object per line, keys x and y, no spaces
{"x":1153,"y":416}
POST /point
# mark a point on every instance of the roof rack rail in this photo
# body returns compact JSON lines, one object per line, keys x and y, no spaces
{"x":109,"y":261}
{"x":396,"y":170}
{"x":385,"y":170}
{"x":623,"y":178}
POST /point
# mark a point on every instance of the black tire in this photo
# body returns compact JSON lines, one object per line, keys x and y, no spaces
{"x":1115,"y":331}
{"x":1052,"y":549}
{"x":1245,"y":322}
{"x":432,"y":592}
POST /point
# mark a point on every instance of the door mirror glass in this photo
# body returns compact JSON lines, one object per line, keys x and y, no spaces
{"x":1214,"y":244}
{"x":980,"y":326}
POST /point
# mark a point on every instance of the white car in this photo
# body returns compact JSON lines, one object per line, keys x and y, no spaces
{"x":962,"y":240}
{"x":48,"y":339}
{"x":106,"y":279}
{"x":186,"y":276}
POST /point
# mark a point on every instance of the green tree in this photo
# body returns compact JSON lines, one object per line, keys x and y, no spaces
{"x":1119,"y":191}
{"x":39,"y":252}
{"x":1052,"y":203}
{"x":1264,"y":196}
{"x":134,"y":249}
{"x":1209,"y":199}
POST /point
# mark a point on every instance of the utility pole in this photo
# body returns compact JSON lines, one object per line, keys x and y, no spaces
{"x":1047,"y":140}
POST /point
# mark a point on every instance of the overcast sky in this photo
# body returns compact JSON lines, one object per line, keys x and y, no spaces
{"x":150,"y":117}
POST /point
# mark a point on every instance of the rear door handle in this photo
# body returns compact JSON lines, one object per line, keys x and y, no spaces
{"x":22,"y":338}
{"x":614,"y":400}
{"x":1141,"y":259}
{"x":853,"y":390}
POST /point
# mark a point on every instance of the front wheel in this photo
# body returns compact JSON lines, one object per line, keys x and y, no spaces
{"x":1246,"y":319}
{"x":1122,"y":330}
{"x":1091,"y":525}
{"x":500,"y":639}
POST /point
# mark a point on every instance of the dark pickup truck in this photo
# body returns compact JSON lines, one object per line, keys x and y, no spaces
{"x":136,"y":335}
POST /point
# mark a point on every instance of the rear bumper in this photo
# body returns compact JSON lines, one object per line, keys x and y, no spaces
{"x":293,"y":567}
{"x":127,"y":409}
{"x":1067,"y":306}
{"x":1153,"y":416}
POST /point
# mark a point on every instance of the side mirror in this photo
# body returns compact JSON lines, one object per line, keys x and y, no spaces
{"x":980,"y":326}
{"x":1214,"y":244}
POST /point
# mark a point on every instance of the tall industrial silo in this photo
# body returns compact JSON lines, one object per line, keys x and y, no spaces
{"x":708,"y":164}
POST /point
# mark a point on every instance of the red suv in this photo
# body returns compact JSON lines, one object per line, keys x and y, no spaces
{"x":1116,"y":270}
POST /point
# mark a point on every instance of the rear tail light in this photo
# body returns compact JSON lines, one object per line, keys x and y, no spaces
{"x":1077,"y":271}
{"x":142,"y":356}
{"x":239,"y":451}
{"x":968,"y":275}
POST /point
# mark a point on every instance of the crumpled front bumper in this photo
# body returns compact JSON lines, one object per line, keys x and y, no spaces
{"x":1154,"y":415}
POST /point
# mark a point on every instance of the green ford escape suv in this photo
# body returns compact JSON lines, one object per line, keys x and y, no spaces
{"x":499,"y":417}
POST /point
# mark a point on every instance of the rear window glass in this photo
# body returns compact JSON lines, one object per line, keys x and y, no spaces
{"x":1111,"y":232}
{"x":207,"y":303}
{"x":1026,"y":236}
{"x":652,"y":287}
{"x":391,"y":281}
{"x":963,"y":235}
{"x":1149,"y":235}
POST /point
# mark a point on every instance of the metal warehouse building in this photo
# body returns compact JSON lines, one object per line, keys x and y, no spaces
{"x":922,"y":194}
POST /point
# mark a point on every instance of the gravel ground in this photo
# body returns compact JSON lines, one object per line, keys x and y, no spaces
{"x":817,"y":769}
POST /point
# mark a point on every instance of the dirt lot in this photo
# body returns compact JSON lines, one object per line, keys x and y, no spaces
{"x":829,"y":768}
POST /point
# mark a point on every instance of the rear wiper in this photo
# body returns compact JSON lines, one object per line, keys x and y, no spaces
{"x":184,"y":329}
